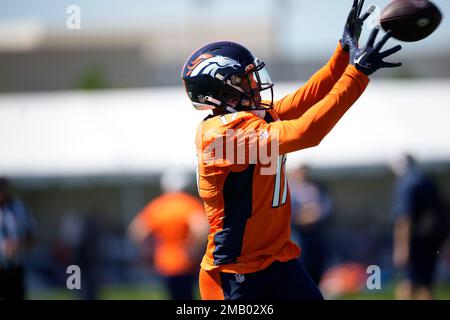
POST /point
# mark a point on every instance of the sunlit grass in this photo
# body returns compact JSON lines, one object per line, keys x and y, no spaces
{"x":157,"y":292}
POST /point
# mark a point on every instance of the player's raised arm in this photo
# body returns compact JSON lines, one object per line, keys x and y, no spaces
{"x":317,"y":122}
{"x":309,"y":130}
{"x":319,"y":85}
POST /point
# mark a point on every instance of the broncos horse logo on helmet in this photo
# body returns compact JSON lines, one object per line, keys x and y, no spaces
{"x":207,"y":64}
{"x":227,"y":76}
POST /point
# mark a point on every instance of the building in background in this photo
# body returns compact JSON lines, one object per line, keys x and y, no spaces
{"x":142,"y":45}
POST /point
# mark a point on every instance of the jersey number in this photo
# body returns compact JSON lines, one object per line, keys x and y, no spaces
{"x":281,"y":164}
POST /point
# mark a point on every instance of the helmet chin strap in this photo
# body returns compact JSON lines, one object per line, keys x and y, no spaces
{"x":221,"y":104}
{"x":231,"y":110}
{"x":260,"y":112}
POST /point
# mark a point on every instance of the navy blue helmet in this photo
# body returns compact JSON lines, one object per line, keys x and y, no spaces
{"x":225,"y":75}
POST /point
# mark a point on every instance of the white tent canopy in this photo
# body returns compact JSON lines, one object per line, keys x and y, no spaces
{"x":145,"y":131}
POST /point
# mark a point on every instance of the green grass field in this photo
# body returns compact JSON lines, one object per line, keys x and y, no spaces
{"x":157,"y":292}
{"x":441,"y":292}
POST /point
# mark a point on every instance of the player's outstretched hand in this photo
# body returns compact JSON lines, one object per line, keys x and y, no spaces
{"x":370,"y":58}
{"x":353,"y":26}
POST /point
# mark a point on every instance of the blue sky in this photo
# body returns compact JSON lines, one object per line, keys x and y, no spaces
{"x":305,"y":27}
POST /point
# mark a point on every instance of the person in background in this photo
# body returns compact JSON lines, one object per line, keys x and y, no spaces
{"x":79,"y":240}
{"x":17,"y":234}
{"x":177,"y":225}
{"x":421,"y":226}
{"x":311,"y":208}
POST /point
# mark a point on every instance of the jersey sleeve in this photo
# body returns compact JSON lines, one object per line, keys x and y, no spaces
{"x":318,"y":86}
{"x":402,"y":204}
{"x":244,"y":137}
{"x":310,"y":128}
{"x":145,"y":217}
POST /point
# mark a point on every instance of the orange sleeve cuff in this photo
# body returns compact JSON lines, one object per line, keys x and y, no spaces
{"x":340,"y":50}
{"x":340,"y":59}
{"x":309,"y":130}
{"x":358,"y":75}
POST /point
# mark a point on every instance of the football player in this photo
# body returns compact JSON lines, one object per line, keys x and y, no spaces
{"x":249,"y":253}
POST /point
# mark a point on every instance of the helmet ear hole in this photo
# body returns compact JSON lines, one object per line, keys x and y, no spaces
{"x":236,"y":80}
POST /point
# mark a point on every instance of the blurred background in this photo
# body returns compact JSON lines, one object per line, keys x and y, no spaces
{"x":92,"y":113}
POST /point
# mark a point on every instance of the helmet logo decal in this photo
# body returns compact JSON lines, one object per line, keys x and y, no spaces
{"x":197,"y":61}
{"x":211,"y":65}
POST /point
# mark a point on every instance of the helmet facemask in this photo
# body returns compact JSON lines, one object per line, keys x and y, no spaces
{"x":254,"y":88}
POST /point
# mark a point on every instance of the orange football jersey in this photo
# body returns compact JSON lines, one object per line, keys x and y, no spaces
{"x":246,"y":198}
{"x":167,"y":218}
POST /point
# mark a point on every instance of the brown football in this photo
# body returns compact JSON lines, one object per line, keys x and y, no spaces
{"x":411,"y":20}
